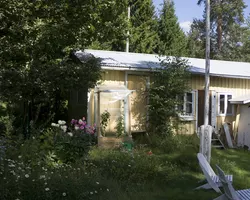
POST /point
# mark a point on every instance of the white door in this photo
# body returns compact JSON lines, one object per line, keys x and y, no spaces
{"x":244,"y":126}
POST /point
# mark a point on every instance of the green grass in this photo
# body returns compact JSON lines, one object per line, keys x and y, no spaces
{"x":185,"y":175}
{"x":114,"y":174}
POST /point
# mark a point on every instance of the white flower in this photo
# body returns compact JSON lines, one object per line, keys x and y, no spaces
{"x":46,"y":189}
{"x":76,"y":127}
{"x":97,"y":183}
{"x":80,"y":121}
{"x":91,"y":193}
{"x":70,"y":134}
{"x":61,"y":122}
{"x":45,"y":183}
{"x":64,"y":194}
{"x":107,"y":189}
{"x":64,"y":128}
{"x":129,"y":165}
{"x":95,"y":191}
{"x":27,"y":176}
{"x":42,"y":176}
{"x":19,"y":157}
{"x":54,"y":124}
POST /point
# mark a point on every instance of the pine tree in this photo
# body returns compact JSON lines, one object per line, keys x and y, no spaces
{"x":226,"y":18}
{"x":173,"y":41}
{"x":197,"y":39}
{"x":143,"y":34}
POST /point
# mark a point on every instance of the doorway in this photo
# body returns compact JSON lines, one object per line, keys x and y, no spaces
{"x":212,"y":108}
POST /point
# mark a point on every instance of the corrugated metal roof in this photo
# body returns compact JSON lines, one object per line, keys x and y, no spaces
{"x":138,"y":61}
{"x":241,"y":99}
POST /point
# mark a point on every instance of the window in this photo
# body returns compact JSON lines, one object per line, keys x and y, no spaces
{"x":187,"y":108}
{"x":224,"y":105}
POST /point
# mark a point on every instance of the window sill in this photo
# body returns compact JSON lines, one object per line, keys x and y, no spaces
{"x":187,"y":118}
{"x":225,"y":115}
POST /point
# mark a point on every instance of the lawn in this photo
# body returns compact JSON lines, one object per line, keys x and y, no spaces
{"x":119,"y":174}
{"x":185,"y":174}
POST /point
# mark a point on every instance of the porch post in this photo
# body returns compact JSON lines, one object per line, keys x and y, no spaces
{"x":126,"y":107}
{"x":98,"y":115}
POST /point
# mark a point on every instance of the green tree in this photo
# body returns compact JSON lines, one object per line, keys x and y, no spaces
{"x":173,"y":41}
{"x":226,"y":17}
{"x":168,"y":82}
{"x":117,"y":25}
{"x":38,"y":40}
{"x":143,"y":22}
{"x":196,"y":39}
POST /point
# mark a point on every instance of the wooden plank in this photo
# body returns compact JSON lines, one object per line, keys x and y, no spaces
{"x":236,"y":125}
{"x":228,"y":136}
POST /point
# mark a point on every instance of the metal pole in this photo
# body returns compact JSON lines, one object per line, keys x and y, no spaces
{"x":207,"y":71}
{"x":127,"y":42}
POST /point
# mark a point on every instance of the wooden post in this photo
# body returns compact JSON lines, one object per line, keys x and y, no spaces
{"x":205,"y":133}
{"x":98,"y":116}
{"x":207,"y":71}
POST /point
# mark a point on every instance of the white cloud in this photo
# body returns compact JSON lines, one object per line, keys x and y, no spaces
{"x":185,"y":26}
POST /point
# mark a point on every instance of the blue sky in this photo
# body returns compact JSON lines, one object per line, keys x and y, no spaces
{"x":186,"y":10}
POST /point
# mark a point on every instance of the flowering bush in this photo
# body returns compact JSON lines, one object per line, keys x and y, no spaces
{"x":82,"y":126}
{"x":74,"y":141}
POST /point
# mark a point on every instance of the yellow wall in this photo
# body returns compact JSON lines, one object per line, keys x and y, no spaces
{"x":137,"y":102}
{"x":236,"y":87}
{"x":114,"y":108}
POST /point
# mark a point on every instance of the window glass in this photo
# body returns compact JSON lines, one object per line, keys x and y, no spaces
{"x":186,"y":108}
{"x":222,"y":104}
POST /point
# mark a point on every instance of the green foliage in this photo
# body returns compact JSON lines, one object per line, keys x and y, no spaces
{"x":173,"y":41}
{"x":228,"y":35}
{"x":144,"y":37}
{"x":168,"y":83}
{"x":120,"y":126}
{"x":105,"y":119}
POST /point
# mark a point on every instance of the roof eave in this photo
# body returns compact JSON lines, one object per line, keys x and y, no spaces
{"x":130,"y":68}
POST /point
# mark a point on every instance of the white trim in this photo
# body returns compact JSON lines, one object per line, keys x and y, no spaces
{"x":126,"y":107}
{"x":225,"y":104}
{"x":187,"y":117}
{"x":89,"y":107}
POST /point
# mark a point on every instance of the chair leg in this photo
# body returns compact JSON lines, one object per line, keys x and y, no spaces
{"x":205,"y":186}
{"x":221,"y":197}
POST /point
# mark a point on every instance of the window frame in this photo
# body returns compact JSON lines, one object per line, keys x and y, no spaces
{"x":191,"y":116}
{"x":226,"y":94}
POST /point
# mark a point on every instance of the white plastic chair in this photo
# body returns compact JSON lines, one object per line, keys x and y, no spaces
{"x":230,"y":193}
{"x":212,"y":179}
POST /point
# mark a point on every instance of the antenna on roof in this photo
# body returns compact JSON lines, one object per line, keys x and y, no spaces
{"x":127,"y":42}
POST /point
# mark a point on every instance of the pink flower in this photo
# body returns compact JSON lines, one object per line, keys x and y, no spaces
{"x":81,"y":127}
